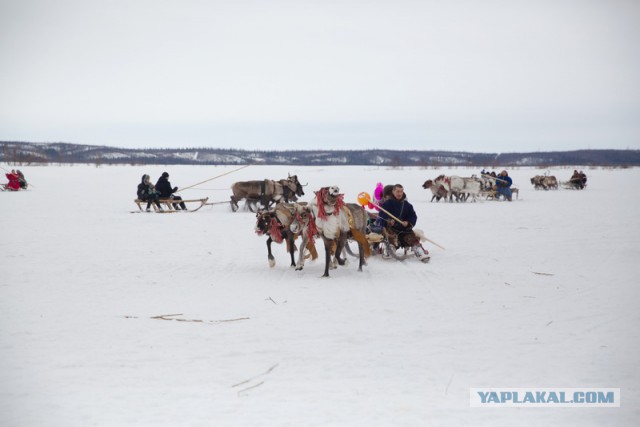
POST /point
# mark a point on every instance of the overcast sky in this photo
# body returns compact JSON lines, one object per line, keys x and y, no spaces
{"x":459,"y":75}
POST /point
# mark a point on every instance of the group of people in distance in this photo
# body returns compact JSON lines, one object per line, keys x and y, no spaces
{"x":16,"y":181}
{"x":578,"y":179}
{"x":150,"y":193}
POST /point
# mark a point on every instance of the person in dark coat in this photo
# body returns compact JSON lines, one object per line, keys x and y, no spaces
{"x":163,"y":186}
{"x":23,"y":182}
{"x":503,"y":185}
{"x":147,"y":192}
{"x":583,"y":179}
{"x":578,"y":180}
{"x":399,"y":207}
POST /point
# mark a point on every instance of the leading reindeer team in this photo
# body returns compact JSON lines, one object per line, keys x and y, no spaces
{"x":329,"y":218}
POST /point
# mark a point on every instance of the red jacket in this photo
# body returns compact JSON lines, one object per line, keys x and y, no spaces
{"x":14,"y":181}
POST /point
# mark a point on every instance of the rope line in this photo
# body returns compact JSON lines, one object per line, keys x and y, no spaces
{"x":211,"y":179}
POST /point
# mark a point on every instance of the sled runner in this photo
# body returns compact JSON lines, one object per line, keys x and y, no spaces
{"x":168,"y":203}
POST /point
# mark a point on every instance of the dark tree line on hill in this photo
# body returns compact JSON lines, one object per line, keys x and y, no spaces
{"x":43,"y":153}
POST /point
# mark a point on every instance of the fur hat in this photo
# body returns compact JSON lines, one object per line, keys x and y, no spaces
{"x":165,"y":174}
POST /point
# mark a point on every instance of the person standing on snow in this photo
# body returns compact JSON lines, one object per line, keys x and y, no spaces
{"x":503,"y":185}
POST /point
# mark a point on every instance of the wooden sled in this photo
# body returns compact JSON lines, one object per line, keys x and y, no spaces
{"x":168,"y":203}
{"x":5,"y":187}
{"x":489,"y":194}
{"x":492,"y":194}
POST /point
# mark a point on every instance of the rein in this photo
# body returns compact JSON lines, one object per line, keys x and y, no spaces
{"x":275,"y":230}
{"x":312,"y":230}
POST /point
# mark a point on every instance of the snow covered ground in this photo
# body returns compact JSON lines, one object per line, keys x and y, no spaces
{"x":399,"y":344}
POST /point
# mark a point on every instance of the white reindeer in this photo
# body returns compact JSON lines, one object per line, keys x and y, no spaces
{"x":329,"y":217}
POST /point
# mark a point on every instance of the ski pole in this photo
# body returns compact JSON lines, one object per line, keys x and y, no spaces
{"x":492,"y":177}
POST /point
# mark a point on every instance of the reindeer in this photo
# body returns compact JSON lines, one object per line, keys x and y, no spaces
{"x":550,"y":182}
{"x":437,"y":190}
{"x":276,"y":224}
{"x":545,"y":182}
{"x":456,"y":186}
{"x":329,"y":217}
{"x":472,"y":188}
{"x":267,"y":192}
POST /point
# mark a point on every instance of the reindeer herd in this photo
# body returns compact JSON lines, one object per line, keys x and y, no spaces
{"x":327,"y":216}
{"x":461,"y":189}
{"x":450,"y":188}
{"x":544,"y":182}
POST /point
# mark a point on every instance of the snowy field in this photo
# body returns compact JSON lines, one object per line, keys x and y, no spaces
{"x":541,"y":292}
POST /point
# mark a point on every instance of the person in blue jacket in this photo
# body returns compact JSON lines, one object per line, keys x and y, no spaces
{"x":401,"y":209}
{"x":503,"y":185}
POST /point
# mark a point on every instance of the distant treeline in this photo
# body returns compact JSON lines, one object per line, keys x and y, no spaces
{"x":44,"y":153}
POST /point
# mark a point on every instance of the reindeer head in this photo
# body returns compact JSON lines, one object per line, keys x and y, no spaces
{"x":301,"y":217}
{"x":328,"y":194}
{"x":263,"y":221}
{"x":298,"y":187}
{"x":333,"y":191}
{"x":427,"y":184}
{"x":329,"y":201}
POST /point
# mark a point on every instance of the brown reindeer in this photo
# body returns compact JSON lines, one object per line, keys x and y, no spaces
{"x":266,"y":192}
{"x":276,"y":224}
{"x":437,"y":190}
{"x":267,"y":224}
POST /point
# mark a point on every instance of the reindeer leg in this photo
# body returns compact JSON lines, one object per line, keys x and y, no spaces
{"x":327,"y":256}
{"x":362,"y":261}
{"x":303,"y":246}
{"x":272,"y":261}
{"x":339,"y":247}
{"x":292,"y":247}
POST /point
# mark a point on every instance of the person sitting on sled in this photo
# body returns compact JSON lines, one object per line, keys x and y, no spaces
{"x":147,"y":192}
{"x":164,"y":187}
{"x":503,"y":185}
{"x":23,"y":182}
{"x":381,"y":194}
{"x":583,"y":179}
{"x":397,"y":206}
{"x":14,"y":181}
{"x":578,"y":180}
